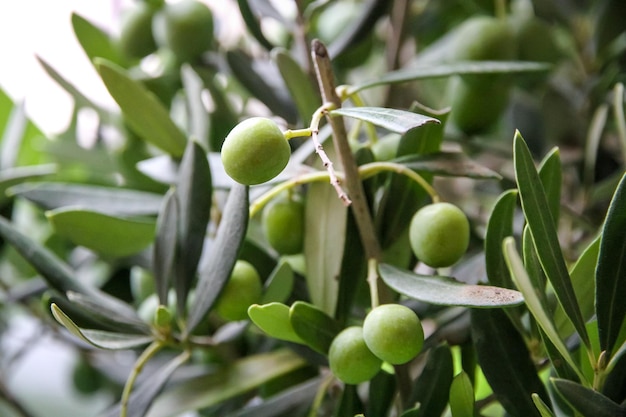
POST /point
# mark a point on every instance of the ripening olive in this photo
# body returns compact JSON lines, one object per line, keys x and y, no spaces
{"x":283,"y":224}
{"x":185,"y":27}
{"x":350,"y":359}
{"x":243,"y":289}
{"x":393,"y":332}
{"x":136,"y":38}
{"x":255,"y":151}
{"x":439,"y":234}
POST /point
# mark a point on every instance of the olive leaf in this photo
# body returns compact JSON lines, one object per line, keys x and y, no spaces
{"x":394,"y":120}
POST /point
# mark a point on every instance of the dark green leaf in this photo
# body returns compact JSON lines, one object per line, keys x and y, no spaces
{"x":454,"y":164}
{"x":112,"y":201}
{"x":588,"y":402}
{"x":432,"y":387}
{"x":541,"y":223}
{"x":165,"y":245}
{"x":382,"y":393}
{"x":230,"y":381}
{"x":499,"y":226}
{"x":446,"y":290}
{"x":253,"y":24}
{"x":57,"y":273}
{"x":283,"y":403}
{"x":107,"y":308}
{"x":95,"y":42}
{"x":506,"y":362}
{"x":298,"y":83}
{"x":99,"y":338}
{"x":107,"y":235}
{"x":456,"y":68}
{"x":142,"y":398}
{"x":142,"y":110}
{"x":353,"y":271}
{"x":583,"y":269}
{"x":230,"y":235}
{"x":611,"y":272}
{"x":257,"y":80}
{"x":194,"y":195}
{"x":550,"y":175}
{"x":394,"y":120}
{"x":313,"y":326}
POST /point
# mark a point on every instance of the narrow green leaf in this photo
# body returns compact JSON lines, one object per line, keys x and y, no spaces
{"x":194,"y":192}
{"x":279,"y":284}
{"x":107,"y":235}
{"x":325,"y":223}
{"x":255,"y":79}
{"x":584,"y":286}
{"x":456,"y":68}
{"x":549,"y":171}
{"x":12,"y":176}
{"x":107,"y":308}
{"x":453,"y":164}
{"x":253,"y":24}
{"x":588,"y":402}
{"x":506,"y":362}
{"x":299,"y":84}
{"x":99,"y":338}
{"x":108,"y":200}
{"x":314,"y":327}
{"x":542,"y":407}
{"x":198,"y":117}
{"x":57,"y":273}
{"x":273,"y":319}
{"x":462,"y":396}
{"x":541,"y":223}
{"x":142,"y":398}
{"x":432,"y":388}
{"x":233,"y":380}
{"x":224,"y":250}
{"x":499,"y":226}
{"x":611,"y":272}
{"x":165,"y":245}
{"x":80,"y":99}
{"x":446,"y":290}
{"x":142,"y":110}
{"x":95,"y":42}
{"x":521,"y":279}
{"x":394,"y":120}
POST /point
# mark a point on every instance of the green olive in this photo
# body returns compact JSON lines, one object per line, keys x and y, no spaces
{"x":136,"y":39}
{"x":350,"y":359}
{"x":439,"y":234}
{"x":186,"y":28}
{"x":394,"y":333}
{"x":243,"y":289}
{"x":255,"y":151}
{"x":484,"y":38}
{"x":283,"y":224}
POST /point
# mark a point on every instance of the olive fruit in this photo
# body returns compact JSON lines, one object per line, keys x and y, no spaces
{"x":87,"y":380}
{"x":393,"y":332}
{"x":255,"y":151}
{"x":243,"y":289}
{"x":477,"y":108}
{"x":350,"y":359}
{"x":185,"y":28}
{"x":136,"y":39}
{"x":484,"y":38}
{"x":439,"y":234}
{"x":283,"y":224}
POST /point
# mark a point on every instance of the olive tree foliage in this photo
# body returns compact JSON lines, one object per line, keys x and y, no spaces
{"x":505,"y":119}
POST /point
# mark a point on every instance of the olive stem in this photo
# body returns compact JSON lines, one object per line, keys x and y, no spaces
{"x":372,"y":280}
{"x":145,"y":356}
{"x":365,"y":171}
{"x":297,"y":133}
{"x":360,"y":210}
